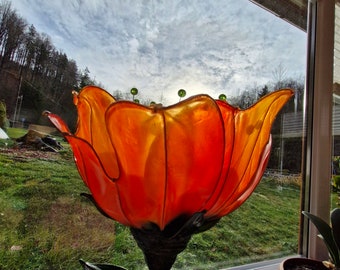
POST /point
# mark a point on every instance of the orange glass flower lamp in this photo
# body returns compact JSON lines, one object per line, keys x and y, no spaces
{"x":169,"y":172}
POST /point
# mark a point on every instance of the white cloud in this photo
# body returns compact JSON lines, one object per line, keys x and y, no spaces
{"x":161,"y":46}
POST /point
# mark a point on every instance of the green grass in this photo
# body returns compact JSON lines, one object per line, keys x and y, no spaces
{"x":266,"y":226}
{"x":45,"y":224}
{"x":16,"y":132}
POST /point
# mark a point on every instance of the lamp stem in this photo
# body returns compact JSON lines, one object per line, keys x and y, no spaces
{"x":160,"y":251}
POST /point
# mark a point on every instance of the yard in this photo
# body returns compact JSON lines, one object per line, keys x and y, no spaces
{"x":46,"y":224}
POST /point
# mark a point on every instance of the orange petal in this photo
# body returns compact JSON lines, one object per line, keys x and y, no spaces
{"x":195,"y":155}
{"x":137,"y":135}
{"x":92,"y":103}
{"x":252,"y":132}
{"x":244,"y":195}
{"x":104,"y":191}
{"x":228,"y":116}
{"x":170,"y":159}
{"x":57,"y":122}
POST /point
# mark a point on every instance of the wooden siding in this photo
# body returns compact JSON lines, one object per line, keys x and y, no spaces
{"x":293,"y":127}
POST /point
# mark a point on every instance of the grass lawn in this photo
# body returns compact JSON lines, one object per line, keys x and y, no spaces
{"x":16,"y":132}
{"x":45,"y":224}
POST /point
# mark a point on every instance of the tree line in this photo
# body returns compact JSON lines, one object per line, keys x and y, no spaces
{"x":35,"y":76}
{"x":33,"y":73}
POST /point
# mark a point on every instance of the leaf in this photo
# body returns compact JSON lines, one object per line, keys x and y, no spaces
{"x":335,"y":221}
{"x":90,"y":266}
{"x":326,"y":232}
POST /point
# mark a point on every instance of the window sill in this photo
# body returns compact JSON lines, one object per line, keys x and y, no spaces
{"x":264,"y":265}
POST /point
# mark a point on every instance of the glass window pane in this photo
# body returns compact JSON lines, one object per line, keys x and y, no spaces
{"x":145,"y":53}
{"x":336,"y":111}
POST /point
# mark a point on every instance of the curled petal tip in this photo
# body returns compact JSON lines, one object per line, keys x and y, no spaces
{"x":46,"y":113}
{"x":57,"y":122}
{"x":75,"y":97}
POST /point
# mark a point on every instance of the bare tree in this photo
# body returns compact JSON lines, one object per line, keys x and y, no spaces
{"x":5,"y":13}
{"x":14,"y":27}
{"x":32,"y":65}
{"x":279,"y":74}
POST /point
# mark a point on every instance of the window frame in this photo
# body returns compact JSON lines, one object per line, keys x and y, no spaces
{"x":316,"y":191}
{"x":317,"y":142}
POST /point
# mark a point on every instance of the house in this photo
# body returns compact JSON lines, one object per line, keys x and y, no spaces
{"x":321,"y":20}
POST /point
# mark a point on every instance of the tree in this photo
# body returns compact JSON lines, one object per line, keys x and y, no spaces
{"x":3,"y":116}
{"x":31,"y":66}
{"x":43,"y":48}
{"x":264,"y":91}
{"x":5,"y":13}
{"x":85,"y":78}
{"x":246,"y":99}
{"x":279,"y":74}
{"x":12,"y":36}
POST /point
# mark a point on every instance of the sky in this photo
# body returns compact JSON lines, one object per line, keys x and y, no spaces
{"x":161,"y":46}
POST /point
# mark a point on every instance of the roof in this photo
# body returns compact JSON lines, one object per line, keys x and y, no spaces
{"x":293,"y":11}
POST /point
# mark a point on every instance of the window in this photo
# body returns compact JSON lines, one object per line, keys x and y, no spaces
{"x":242,"y":51}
